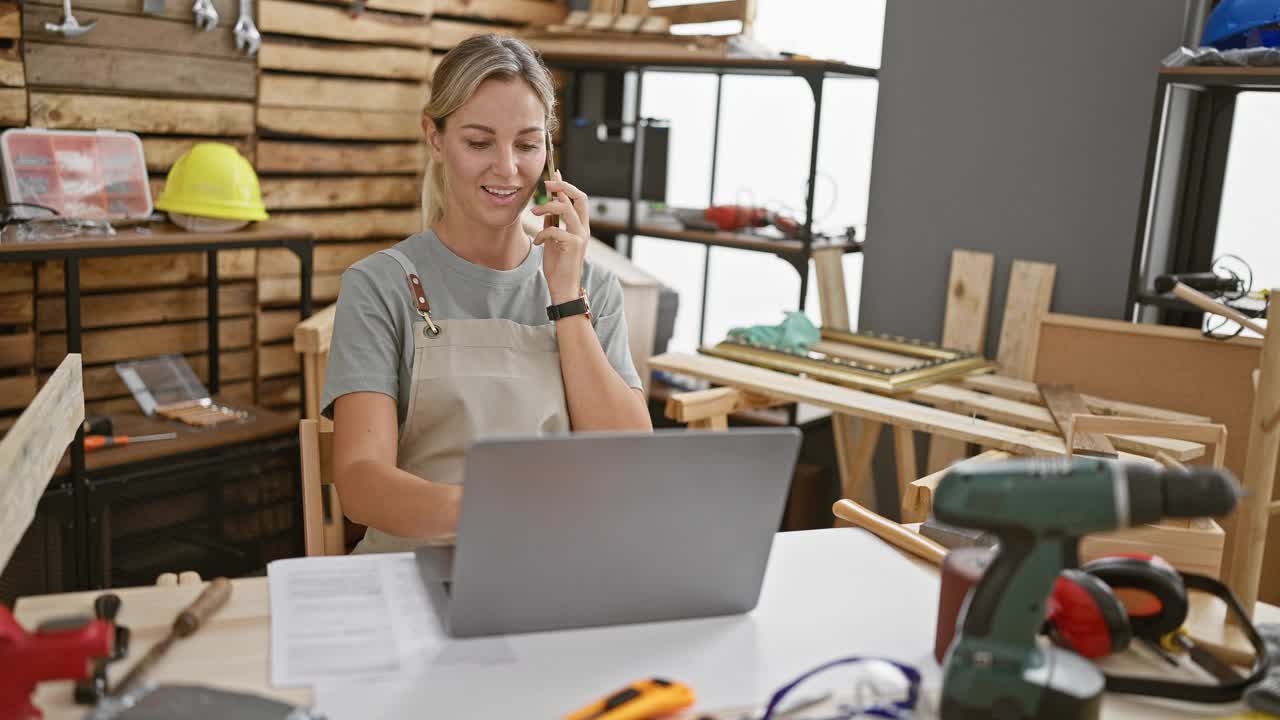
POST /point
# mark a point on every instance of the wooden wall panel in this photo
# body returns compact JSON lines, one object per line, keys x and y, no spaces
{"x":340,"y":124}
{"x":132,"y":71}
{"x":143,"y":115}
{"x":116,"y":344}
{"x":152,"y":270}
{"x":172,"y":9}
{"x":329,"y":257}
{"x":12,"y":71}
{"x":13,"y":107}
{"x":279,"y":53}
{"x":17,"y":350}
{"x":318,"y":21}
{"x":162,"y":152}
{"x":147,"y":306}
{"x":354,"y":224}
{"x":307,"y":158}
{"x":300,"y":91}
{"x":319,"y":193}
{"x":530,"y":12}
{"x":125,"y":32}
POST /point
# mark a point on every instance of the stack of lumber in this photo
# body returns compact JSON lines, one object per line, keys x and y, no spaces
{"x":339,"y":140}
{"x":174,"y":85}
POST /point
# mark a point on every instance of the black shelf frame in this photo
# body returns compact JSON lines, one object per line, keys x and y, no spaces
{"x":814,"y":73}
{"x":1195,"y":171}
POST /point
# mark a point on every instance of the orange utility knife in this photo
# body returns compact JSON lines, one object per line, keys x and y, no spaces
{"x":651,"y":698}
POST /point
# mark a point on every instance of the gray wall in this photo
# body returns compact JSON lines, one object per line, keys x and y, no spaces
{"x":1017,"y":127}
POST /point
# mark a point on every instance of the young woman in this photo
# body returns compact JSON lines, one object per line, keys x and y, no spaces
{"x":472,"y":328}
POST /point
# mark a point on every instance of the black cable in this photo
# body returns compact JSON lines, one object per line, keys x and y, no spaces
{"x":1243,"y":288}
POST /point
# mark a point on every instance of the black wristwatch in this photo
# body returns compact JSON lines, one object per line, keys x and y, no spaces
{"x":577,"y":306}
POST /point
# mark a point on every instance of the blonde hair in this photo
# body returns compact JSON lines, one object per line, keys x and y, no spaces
{"x":456,"y":79}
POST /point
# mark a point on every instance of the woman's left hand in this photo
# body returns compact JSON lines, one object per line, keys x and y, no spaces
{"x":564,"y":248}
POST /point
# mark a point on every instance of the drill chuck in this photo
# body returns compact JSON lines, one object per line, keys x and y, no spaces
{"x":1158,"y":492}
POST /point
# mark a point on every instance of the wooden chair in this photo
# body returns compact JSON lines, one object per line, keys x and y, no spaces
{"x":322,"y":523}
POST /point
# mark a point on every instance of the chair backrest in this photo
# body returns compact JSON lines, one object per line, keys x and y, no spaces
{"x":311,"y":338}
{"x":322,"y":522}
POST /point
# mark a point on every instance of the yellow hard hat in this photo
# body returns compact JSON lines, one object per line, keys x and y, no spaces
{"x":213,"y":180}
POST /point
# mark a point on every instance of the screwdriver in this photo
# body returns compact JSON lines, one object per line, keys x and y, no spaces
{"x":187,"y":622}
{"x":97,"y":442}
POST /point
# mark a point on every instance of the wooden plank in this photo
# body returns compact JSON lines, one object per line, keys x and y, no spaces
{"x":277,"y":156}
{"x":1014,"y":389}
{"x":125,"y":32}
{"x":1024,"y":414}
{"x":10,"y":24}
{"x":319,"y":21}
{"x":320,"y":193}
{"x":1209,"y":434}
{"x":17,"y":350}
{"x":340,"y":124}
{"x":17,"y":309}
{"x":350,"y":60}
{"x":328,"y":258}
{"x":17,"y":277}
{"x":1030,"y":292}
{"x":1063,"y":402}
{"x":144,"y":115}
{"x":526,"y":12}
{"x":963,"y":328}
{"x":1198,"y":549}
{"x":300,"y":91}
{"x":687,"y":407}
{"x":410,"y":7}
{"x":124,"y":273}
{"x":705,"y":12}
{"x":17,"y":391}
{"x":353,"y":224}
{"x":904,"y":452}
{"x":275,"y":325}
{"x":12,"y":71}
{"x":103,"y":382}
{"x":445,"y":34}
{"x":134,"y":71}
{"x":104,"y":346}
{"x":162,"y":152}
{"x":918,"y":501}
{"x":13,"y":107}
{"x":31,"y":450}
{"x":862,"y":404}
{"x":855,"y":457}
{"x":146,"y":306}
{"x":285,"y":290}
{"x":833,"y":299}
{"x":276,"y":360}
{"x":171,"y":10}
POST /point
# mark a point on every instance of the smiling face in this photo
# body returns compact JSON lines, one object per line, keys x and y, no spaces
{"x":493,"y":150}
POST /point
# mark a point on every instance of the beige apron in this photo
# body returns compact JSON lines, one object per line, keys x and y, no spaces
{"x":473,"y":379}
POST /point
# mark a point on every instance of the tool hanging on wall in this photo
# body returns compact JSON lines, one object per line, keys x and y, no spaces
{"x":248,"y":39}
{"x":70,"y":27}
{"x":188,"y":622}
{"x":206,"y":15}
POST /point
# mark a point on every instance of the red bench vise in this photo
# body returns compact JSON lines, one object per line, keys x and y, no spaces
{"x":58,"y":650}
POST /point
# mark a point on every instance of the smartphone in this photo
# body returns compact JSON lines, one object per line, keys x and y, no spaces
{"x":549,"y":173}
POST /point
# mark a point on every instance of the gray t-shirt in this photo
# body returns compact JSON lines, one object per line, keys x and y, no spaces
{"x":372,"y":346}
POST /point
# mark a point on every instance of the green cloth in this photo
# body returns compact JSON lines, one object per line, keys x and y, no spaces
{"x":796,"y":333}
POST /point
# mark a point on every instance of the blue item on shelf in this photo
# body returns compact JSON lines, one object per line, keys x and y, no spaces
{"x":1243,"y":24}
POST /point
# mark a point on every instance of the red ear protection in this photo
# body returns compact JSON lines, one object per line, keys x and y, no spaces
{"x":1086,"y":616}
{"x":1150,"y":589}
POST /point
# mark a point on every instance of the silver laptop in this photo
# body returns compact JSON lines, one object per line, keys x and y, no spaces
{"x":611,"y":528}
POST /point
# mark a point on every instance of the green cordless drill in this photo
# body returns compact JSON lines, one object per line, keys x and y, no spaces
{"x":1039,"y":508}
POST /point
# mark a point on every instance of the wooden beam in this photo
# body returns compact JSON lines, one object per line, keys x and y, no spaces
{"x":856,"y":481}
{"x":918,"y":502}
{"x":354,"y":224}
{"x":1064,"y":403}
{"x":904,"y":446}
{"x":1210,"y":434}
{"x":687,"y":407}
{"x":310,"y":20}
{"x":135,"y":71}
{"x":103,"y":346}
{"x":348,"y":60}
{"x":1030,"y":292}
{"x":833,"y":297}
{"x":31,"y":449}
{"x":963,"y":328}
{"x":410,"y":7}
{"x":1015,"y":389}
{"x":1025,"y":414}
{"x":146,"y":306}
{"x":340,"y":124}
{"x":705,"y":12}
{"x":322,"y":193}
{"x":525,"y":12}
{"x":300,"y":91}
{"x":143,"y":115}
{"x":327,"y":258}
{"x":162,"y":152}
{"x":139,"y":33}
{"x":122,"y":273}
{"x":13,"y":107}
{"x":304,"y":158}
{"x":861,"y":404}
{"x":445,"y":34}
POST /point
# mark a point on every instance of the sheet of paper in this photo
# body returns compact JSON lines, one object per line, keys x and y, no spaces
{"x":359,"y":616}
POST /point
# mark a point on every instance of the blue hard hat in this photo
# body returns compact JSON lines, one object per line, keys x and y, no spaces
{"x":1243,"y":23}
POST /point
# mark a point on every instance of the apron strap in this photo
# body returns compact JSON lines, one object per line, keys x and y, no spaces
{"x":417,"y":293}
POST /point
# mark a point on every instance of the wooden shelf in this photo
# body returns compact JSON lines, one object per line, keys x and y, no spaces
{"x":741,"y":241}
{"x":1210,"y":76}
{"x":686,"y":61}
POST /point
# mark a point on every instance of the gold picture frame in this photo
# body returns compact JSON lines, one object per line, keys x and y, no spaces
{"x":862,"y":360}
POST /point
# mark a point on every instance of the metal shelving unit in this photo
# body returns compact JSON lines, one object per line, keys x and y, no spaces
{"x":796,"y":252}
